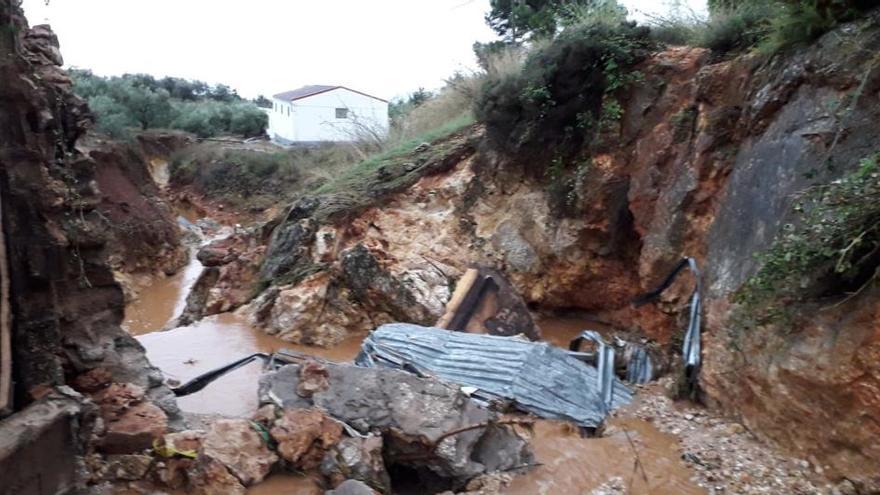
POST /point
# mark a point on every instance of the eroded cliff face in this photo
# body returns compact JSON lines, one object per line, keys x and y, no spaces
{"x":708,"y":158}
{"x":143,"y":237}
{"x":66,"y":305}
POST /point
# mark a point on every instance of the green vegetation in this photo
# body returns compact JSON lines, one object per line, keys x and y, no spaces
{"x":565,"y":95}
{"x":358,"y":179}
{"x":257,"y":177}
{"x":831,"y":248}
{"x":768,"y":26}
{"x":140,"y":101}
{"x":516,"y":20}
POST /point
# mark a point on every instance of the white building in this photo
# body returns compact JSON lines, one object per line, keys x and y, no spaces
{"x":316,"y":113}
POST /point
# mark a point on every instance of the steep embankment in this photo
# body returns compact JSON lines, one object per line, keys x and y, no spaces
{"x":143,"y":238}
{"x":707,"y":160}
{"x":66,"y":306}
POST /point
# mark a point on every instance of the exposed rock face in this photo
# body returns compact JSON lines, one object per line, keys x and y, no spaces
{"x":232,"y":266}
{"x":67,"y":305}
{"x":143,"y":236}
{"x":317,"y":311}
{"x":416,"y":417}
{"x":708,"y":158}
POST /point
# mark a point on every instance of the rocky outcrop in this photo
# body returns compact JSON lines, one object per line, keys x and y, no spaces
{"x":232,"y":266}
{"x":66,"y":305}
{"x":708,"y":158}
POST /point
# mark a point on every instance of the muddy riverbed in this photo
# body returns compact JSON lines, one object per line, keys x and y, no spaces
{"x":568,"y":462}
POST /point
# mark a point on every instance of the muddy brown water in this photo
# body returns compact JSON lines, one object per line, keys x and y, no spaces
{"x":186,"y":352}
{"x":161,"y":301}
{"x":569,"y":463}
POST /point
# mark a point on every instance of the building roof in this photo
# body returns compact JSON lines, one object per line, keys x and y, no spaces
{"x":314,"y":89}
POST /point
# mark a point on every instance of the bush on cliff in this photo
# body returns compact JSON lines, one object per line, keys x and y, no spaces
{"x":564,"y":96}
{"x":770,"y":26}
{"x":831,"y":248}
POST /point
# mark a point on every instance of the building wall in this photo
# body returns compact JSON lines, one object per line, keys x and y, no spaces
{"x":313,"y":119}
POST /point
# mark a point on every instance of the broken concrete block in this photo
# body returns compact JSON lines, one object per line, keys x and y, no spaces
{"x":39,"y":445}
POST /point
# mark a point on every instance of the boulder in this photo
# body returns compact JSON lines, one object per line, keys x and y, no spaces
{"x":135,"y":430}
{"x":210,"y":477}
{"x":127,"y":467}
{"x":236,"y":444}
{"x":358,"y":458}
{"x":417,"y":418}
{"x":317,"y":311}
{"x":304,"y":435}
{"x":351,"y":487}
{"x":132,"y":422}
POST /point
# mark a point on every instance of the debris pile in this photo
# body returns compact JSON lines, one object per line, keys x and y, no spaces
{"x":423,"y":430}
{"x":485,"y":302}
{"x":535,"y":377}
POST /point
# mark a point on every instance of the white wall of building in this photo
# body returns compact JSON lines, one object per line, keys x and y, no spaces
{"x":314,"y":118}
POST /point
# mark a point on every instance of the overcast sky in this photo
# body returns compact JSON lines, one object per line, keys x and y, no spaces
{"x":387,"y":48}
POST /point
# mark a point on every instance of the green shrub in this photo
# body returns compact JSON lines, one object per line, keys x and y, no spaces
{"x":772,"y":25}
{"x":831,"y":248}
{"x":738,"y":28}
{"x":564,"y":96}
{"x":803,"y":21}
{"x":734,"y":27}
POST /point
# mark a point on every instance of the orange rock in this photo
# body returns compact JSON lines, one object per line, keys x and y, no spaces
{"x":304,"y":436}
{"x":238,"y":446}
{"x":135,"y":429}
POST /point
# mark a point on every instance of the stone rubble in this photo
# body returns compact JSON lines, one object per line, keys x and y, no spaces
{"x":238,"y":445}
{"x":726,"y":458}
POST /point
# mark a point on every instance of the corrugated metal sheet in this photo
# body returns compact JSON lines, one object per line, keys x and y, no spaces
{"x":537,"y":377}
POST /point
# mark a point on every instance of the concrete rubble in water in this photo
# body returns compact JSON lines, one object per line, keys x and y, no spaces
{"x":428,"y":427}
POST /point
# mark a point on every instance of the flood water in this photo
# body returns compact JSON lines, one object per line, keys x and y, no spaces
{"x":572,"y":464}
{"x":561,"y":330}
{"x":161,"y":301}
{"x":186,"y":352}
{"x":569,"y":463}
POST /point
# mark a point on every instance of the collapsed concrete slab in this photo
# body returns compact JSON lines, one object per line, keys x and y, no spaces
{"x":431,"y":431}
{"x":41,"y":445}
